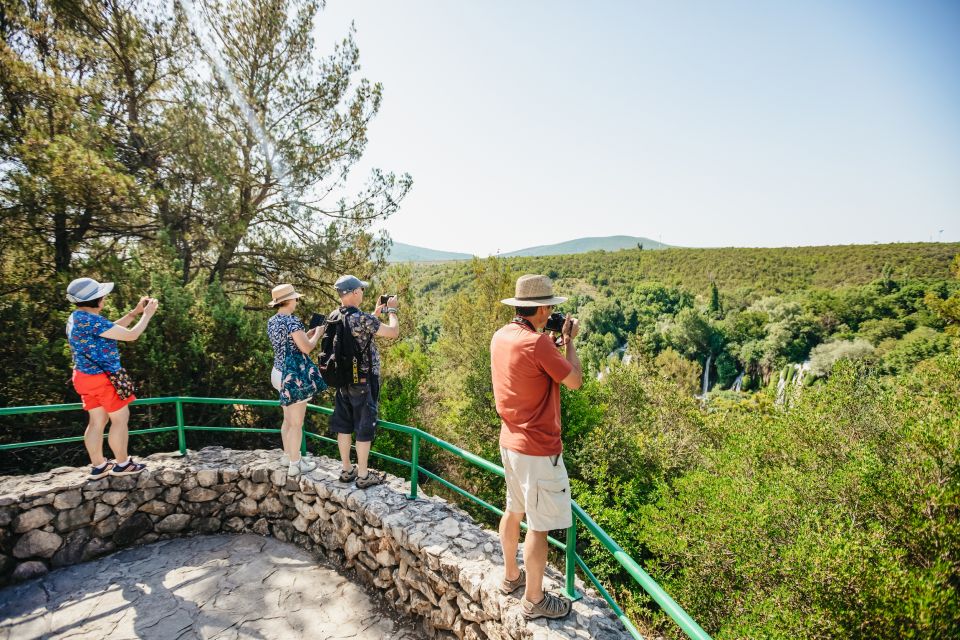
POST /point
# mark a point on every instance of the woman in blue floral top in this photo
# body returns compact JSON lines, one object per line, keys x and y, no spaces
{"x":286,"y":333}
{"x":93,"y":343}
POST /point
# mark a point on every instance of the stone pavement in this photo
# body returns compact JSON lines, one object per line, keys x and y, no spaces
{"x":222,"y":586}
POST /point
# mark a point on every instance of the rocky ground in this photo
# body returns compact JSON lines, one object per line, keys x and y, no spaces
{"x":223,"y":586}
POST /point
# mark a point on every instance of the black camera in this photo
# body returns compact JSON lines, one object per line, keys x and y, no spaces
{"x":317,"y":320}
{"x":555,"y":322}
{"x":384,"y":298}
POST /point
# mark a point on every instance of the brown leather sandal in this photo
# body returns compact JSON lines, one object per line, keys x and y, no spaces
{"x":371,"y":479}
{"x":509,"y":586}
{"x":550,"y":607}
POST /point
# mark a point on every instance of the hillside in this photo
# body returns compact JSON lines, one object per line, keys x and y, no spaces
{"x":759,"y":271}
{"x":584,"y":245}
{"x":410,"y":253}
{"x":401,"y":252}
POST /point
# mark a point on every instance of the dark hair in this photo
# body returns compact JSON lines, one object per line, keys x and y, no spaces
{"x":89,"y":303}
{"x":526,"y":312}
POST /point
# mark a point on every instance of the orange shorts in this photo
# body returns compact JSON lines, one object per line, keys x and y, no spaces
{"x":96,"y":390}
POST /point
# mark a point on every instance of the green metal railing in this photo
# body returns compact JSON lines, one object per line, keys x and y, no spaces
{"x":418,"y":437}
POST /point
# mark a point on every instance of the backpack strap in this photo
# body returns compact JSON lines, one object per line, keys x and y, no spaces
{"x":346,"y":311}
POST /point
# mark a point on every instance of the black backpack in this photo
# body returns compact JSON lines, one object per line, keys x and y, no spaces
{"x":340,"y":356}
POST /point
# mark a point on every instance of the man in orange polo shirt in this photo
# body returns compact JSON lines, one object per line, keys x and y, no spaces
{"x":527,"y":369}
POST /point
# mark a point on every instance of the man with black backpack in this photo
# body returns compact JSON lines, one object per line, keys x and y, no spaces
{"x":350,"y":362}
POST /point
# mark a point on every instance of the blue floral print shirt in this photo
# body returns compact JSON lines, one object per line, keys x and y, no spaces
{"x":91,"y":353}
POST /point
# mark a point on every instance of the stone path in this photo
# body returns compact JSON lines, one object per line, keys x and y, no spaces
{"x":223,"y":587}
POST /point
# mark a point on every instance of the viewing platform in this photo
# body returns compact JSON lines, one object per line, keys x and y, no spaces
{"x":428,"y":569}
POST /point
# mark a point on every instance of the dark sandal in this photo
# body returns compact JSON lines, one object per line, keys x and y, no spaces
{"x":551,"y":606}
{"x":128,"y":468}
{"x":372,"y":478}
{"x":349,"y":476}
{"x":100,"y":472}
{"x":509,"y":586}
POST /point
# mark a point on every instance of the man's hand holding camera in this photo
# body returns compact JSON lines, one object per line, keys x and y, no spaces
{"x":566,"y":326}
{"x":387,"y":304}
{"x":571,"y":327}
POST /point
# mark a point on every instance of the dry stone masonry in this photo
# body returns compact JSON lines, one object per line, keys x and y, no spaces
{"x":427,"y":558}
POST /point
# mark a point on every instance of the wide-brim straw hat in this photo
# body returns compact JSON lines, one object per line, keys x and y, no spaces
{"x":87,"y":289}
{"x":533,"y":291}
{"x":282,"y":293}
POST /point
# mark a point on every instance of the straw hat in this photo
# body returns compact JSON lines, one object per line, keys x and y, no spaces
{"x":282,"y":293}
{"x":533,"y":291}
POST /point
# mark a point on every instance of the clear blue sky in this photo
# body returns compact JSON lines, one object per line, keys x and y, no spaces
{"x":702,"y":123}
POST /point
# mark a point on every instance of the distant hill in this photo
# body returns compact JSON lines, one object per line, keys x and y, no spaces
{"x":409,"y":253}
{"x":583,"y":245}
{"x":751,"y":271}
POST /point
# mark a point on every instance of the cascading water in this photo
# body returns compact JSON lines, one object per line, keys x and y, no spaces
{"x":738,"y":382}
{"x":791,"y":376}
{"x":621,"y":353}
{"x":706,"y":375}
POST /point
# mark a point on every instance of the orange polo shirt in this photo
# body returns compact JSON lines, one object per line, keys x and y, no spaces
{"x":527,"y":368}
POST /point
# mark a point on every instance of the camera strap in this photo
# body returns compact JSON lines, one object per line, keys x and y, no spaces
{"x":524,"y":322}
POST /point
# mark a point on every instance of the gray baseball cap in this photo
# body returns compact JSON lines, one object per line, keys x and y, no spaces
{"x":346,"y":284}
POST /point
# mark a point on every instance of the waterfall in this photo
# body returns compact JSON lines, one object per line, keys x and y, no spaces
{"x":706,"y":375}
{"x":621,"y":353}
{"x":738,"y":382}
{"x":791,"y":377}
{"x":781,"y":388}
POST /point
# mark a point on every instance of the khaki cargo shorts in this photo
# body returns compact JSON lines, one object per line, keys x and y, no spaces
{"x":538,"y":487}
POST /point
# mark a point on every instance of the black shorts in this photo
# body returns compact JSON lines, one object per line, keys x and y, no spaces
{"x":355,"y":409}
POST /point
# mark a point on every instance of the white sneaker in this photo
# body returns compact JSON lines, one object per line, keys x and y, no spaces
{"x":285,"y":459}
{"x":302,"y":465}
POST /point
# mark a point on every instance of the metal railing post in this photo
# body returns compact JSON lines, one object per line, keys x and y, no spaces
{"x":303,"y":437}
{"x":181,"y":432}
{"x":570,"y":588}
{"x":414,"y":466}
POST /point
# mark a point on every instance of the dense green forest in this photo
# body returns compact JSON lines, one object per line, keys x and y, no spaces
{"x":820,"y":499}
{"x":812,"y":492}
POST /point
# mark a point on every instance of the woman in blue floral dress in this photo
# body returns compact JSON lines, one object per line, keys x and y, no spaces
{"x":294,"y":375}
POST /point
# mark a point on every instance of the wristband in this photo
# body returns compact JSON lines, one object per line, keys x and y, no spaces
{"x":389,"y":310}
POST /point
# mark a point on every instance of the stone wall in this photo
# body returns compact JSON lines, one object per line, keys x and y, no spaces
{"x":426,"y":557}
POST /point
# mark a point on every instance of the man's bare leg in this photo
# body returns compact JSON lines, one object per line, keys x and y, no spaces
{"x":535,"y":561}
{"x":509,"y":541}
{"x":344,"y":440}
{"x":363,"y":456}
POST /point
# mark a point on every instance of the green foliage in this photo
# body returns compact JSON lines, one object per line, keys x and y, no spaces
{"x":786,"y":529}
{"x":736,"y":270}
{"x":823,"y":357}
{"x":921,"y":343}
{"x":125,"y":123}
{"x":761,"y":520}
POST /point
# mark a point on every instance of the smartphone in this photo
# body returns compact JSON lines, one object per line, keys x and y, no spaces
{"x":317,"y":320}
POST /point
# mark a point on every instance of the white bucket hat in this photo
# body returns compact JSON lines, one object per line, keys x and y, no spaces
{"x":87,"y":289}
{"x":534,"y":291}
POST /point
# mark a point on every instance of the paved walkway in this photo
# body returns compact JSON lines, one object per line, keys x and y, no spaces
{"x":220,"y":587}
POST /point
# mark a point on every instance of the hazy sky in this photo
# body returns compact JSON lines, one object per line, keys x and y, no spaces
{"x":699,"y":123}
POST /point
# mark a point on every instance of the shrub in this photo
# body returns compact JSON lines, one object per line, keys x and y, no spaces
{"x":823,"y":357}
